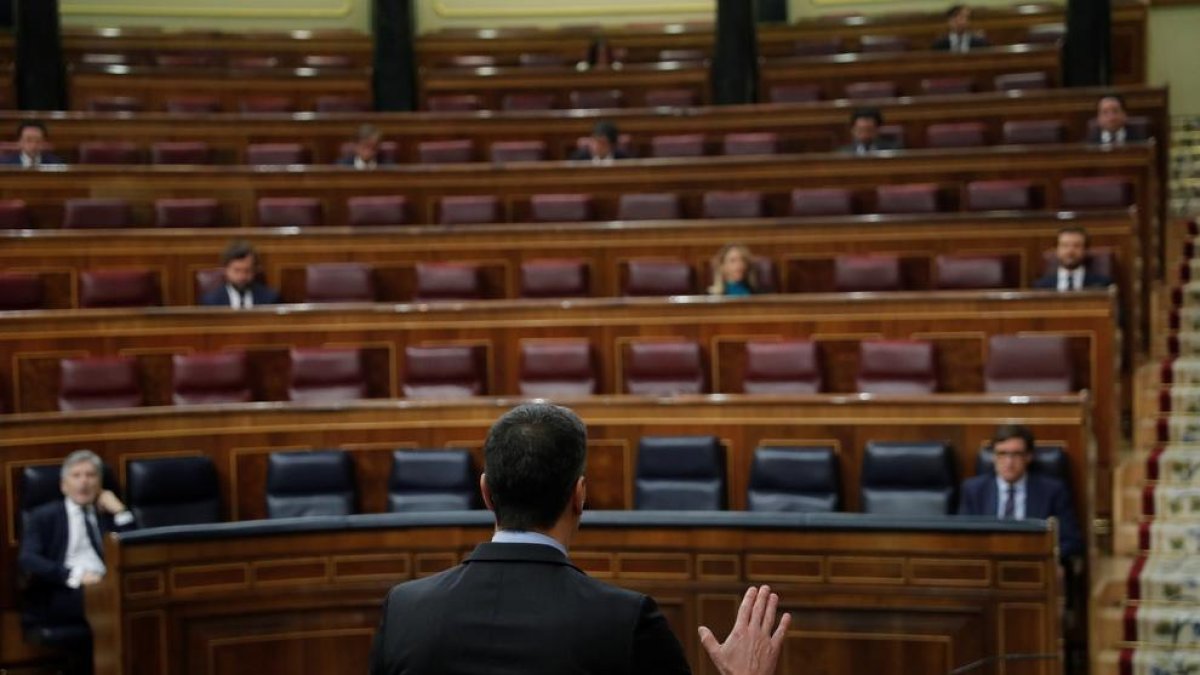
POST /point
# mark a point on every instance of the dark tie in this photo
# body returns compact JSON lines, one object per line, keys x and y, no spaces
{"x":93,"y":531}
{"x":1010,"y":503}
{"x":1070,"y":281}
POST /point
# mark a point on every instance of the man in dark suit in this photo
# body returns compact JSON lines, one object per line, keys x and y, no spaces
{"x":1012,"y":492}
{"x":960,"y":39}
{"x":366,"y":149}
{"x":241,"y":289}
{"x":31,"y":144}
{"x":601,"y":146}
{"x":864,"y":133}
{"x":518,"y":605}
{"x":1110,"y":123}
{"x":1071,"y":272}
{"x":62,"y":549}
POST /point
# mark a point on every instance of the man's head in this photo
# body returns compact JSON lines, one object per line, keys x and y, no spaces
{"x":80,"y":476}
{"x":864,"y":125}
{"x":604,"y":139}
{"x":240,"y":261}
{"x":31,"y":137}
{"x":1071,"y":248}
{"x":366,"y":145}
{"x":958,"y":17}
{"x":533,"y":467}
{"x":1110,"y":112}
{"x":1012,"y":448}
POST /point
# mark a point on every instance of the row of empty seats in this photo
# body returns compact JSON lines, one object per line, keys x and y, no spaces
{"x":205,"y":104}
{"x":214,"y":60}
{"x":1038,"y":364}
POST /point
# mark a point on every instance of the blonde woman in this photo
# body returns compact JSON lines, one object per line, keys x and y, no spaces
{"x":732,"y":273}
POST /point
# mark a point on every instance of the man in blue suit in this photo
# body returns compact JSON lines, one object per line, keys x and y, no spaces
{"x":31,"y":142}
{"x":1012,"y":492}
{"x":241,"y":289}
{"x":1071,"y":272}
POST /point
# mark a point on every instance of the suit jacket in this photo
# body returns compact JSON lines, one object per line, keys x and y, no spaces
{"x":349,"y":161}
{"x":521,"y":609}
{"x":47,"y":158}
{"x":1090,"y":280}
{"x":1132,"y":135}
{"x":881,"y":143}
{"x":585,"y":154}
{"x":1044,"y":497}
{"x":260,"y":292}
{"x":942,"y":44}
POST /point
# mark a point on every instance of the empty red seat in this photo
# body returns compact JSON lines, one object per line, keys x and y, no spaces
{"x":206,"y":281}
{"x":658,"y":276}
{"x":470,"y":61}
{"x":1096,"y":192}
{"x":671,"y":98}
{"x":20,"y":290}
{"x":822,"y":202}
{"x":448,"y":281}
{"x":377,"y":210}
{"x":445,"y":152}
{"x":98,"y":384}
{"x":1031,"y":132}
{"x":189,"y":212}
{"x":327,"y":376}
{"x":824,"y":47}
{"x":454,"y":103}
{"x":664,"y":368}
{"x":649,"y":206}
{"x":444,"y":372}
{"x":185,"y":60}
{"x":682,"y":145}
{"x":518,"y":151}
{"x":759,"y":143}
{"x":277,"y":154}
{"x":528,"y":101}
{"x":14,"y":214}
{"x":768,"y":276}
{"x":740,"y":204}
{"x":1029,"y":364}
{"x":122,"y":104}
{"x":1013,"y":81}
{"x":794,"y":93}
{"x":557,"y":368}
{"x":540,"y":59}
{"x":181,"y":152}
{"x":254,"y":61}
{"x":88,"y":213}
{"x":469,"y":210}
{"x":867,"y":273}
{"x":782,"y":367}
{"x":326,"y":61}
{"x":955,"y":135}
{"x":1000,"y":195}
{"x":905,"y":367}
{"x":289,"y":212}
{"x":681,"y":55}
{"x":910,"y":198}
{"x":874,"y":44}
{"x":118,"y":288}
{"x":342,"y":104}
{"x":941,"y":86}
{"x":198,"y":103}
{"x":969,"y":272}
{"x":880,"y":89}
{"x":339,"y":282}
{"x":267,"y":104}
{"x":596,"y":98}
{"x":554,"y":278}
{"x":109,"y":152}
{"x":564,"y":208}
{"x":204,"y":379}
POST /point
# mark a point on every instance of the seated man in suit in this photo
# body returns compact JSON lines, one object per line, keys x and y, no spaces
{"x":62,"y":549}
{"x":1071,"y":272}
{"x":1110,"y":123}
{"x":601,"y":146}
{"x":960,"y":39}
{"x":518,"y":605}
{"x":1013,"y":492}
{"x":366,"y":149}
{"x":31,"y":142}
{"x":241,"y":289}
{"x":864,"y":133}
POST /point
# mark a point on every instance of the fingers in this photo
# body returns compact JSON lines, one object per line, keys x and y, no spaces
{"x":710,"y":642}
{"x":761,"y":598}
{"x":785,"y":621}
{"x":743,"y":615}
{"x":768,"y":619}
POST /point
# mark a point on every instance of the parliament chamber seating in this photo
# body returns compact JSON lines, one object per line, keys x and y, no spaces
{"x":903,"y":478}
{"x":671,"y":98}
{"x":733,"y":204}
{"x":468,"y":210}
{"x":215,"y":377}
{"x":119,"y":288}
{"x":193,"y":104}
{"x":449,"y":281}
{"x":326,"y":375}
{"x":970,"y":272}
{"x":560,"y":208}
{"x":518,"y":151}
{"x":758,"y":143}
{"x":1022,"y":81}
{"x":649,"y":206}
{"x":116,"y":104}
{"x":1029,"y":364}
{"x":867,"y":273}
{"x":267,"y":104}
{"x":794,"y":93}
{"x":173,"y":491}
{"x":181,"y":152}
{"x":453,"y":103}
{"x":943,"y":86}
{"x":799,"y":479}
{"x":658,"y":277}
{"x":554,"y":278}
{"x":109,"y":152}
{"x":205,"y":281}
{"x":290,"y":212}
{"x":664,"y":368}
{"x":869,"y":44}
{"x":872,"y":90}
{"x":20,"y":290}
{"x":896,"y":367}
{"x":317,"y":483}
{"x":277,"y":154}
{"x":446,"y":152}
{"x":386,"y":152}
{"x":445,"y":371}
{"x":432,"y":480}
{"x":562,"y":367}
{"x":822,"y":202}
{"x":377,"y":210}
{"x":188,"y":212}
{"x":956,"y":135}
{"x":96,"y":213}
{"x":680,"y":473}
{"x":908,"y":198}
{"x":340,"y":282}
{"x":1095,"y":192}
{"x":1001,"y":195}
{"x":677,"y":145}
{"x":1032,"y":132}
{"x":535,"y":101}
{"x":783,"y":367}
{"x":342,"y":104}
{"x":14,"y":214}
{"x":98,"y":383}
{"x":596,"y":99}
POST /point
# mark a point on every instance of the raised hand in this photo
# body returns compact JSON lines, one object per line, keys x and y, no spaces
{"x":752,"y":648}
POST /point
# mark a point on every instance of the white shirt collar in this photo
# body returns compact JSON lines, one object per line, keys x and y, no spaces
{"x":525,"y":537}
{"x":1116,"y":137}
{"x":1077,"y":277}
{"x":242,"y":300}
{"x":360,"y":164}
{"x":28,"y":161}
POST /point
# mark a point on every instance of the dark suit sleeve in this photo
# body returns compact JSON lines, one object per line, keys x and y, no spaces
{"x":580,"y":154}
{"x":270,"y":296}
{"x":655,"y":648}
{"x":980,"y":41}
{"x":35,"y":557}
{"x":942,"y":44}
{"x":378,"y":661}
{"x":1070,"y":539}
{"x":968,"y":502}
{"x":215,"y":298}
{"x":1047,"y":282}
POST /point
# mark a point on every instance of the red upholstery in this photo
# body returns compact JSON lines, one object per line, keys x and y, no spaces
{"x":768,"y":276}
{"x":659,"y":368}
{"x":449,"y":281}
{"x":254,"y":62}
{"x":670,"y":98}
{"x":649,"y":206}
{"x":342,"y":104}
{"x":1000,"y":195}
{"x":910,"y":198}
{"x":326,"y":61}
{"x":1098,"y":192}
{"x":182,"y":152}
{"x":193,"y":104}
{"x":104,"y":59}
{"x":377,"y":210}
{"x":683,"y":145}
{"x":469,"y":210}
{"x":826,"y":47}
{"x":208,"y":280}
{"x":108,"y":152}
{"x":277,"y":154}
{"x":118,"y":288}
{"x":597,"y":98}
{"x":19,"y":290}
{"x":554,"y":278}
{"x":96,"y":213}
{"x":873,"y":44}
{"x":764,"y":143}
{"x":880,"y":89}
{"x":541,"y":59}
{"x":956,"y":135}
{"x":741,"y":204}
{"x":1012,"y":81}
{"x":202,"y":379}
{"x":794,"y":93}
{"x":1030,"y":132}
{"x":1029,"y":364}
{"x":940,"y":86}
{"x":185,"y":60}
{"x":894,"y":133}
{"x":289,"y":212}
{"x":782,"y":367}
{"x":906,"y":367}
{"x":681,"y":55}
{"x":470,"y":61}
{"x":443,"y":372}
{"x":657,"y":276}
{"x":339,"y":282}
{"x":14,"y":214}
{"x":867,"y":273}
{"x":557,"y":368}
{"x":527,"y":101}
{"x":566,"y":208}
{"x":98,"y":384}
{"x":115,"y":104}
{"x":267,"y":104}
{"x":327,"y":376}
{"x":190,"y":212}
{"x":822,"y":202}
{"x":445,"y":152}
{"x":518,"y":151}
{"x":965,"y":272}
{"x":453,"y":103}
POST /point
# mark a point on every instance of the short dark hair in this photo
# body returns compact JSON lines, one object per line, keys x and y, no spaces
{"x":607,"y":130}
{"x":866,"y":113}
{"x":31,"y":124}
{"x":533,"y":456}
{"x":367,"y":132}
{"x":1007,"y":432}
{"x":237,"y":250}
{"x":1074,"y":229}
{"x":954,"y":10}
{"x":1114,"y":96}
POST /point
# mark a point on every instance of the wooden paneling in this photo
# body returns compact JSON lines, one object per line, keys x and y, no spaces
{"x":141,"y":45}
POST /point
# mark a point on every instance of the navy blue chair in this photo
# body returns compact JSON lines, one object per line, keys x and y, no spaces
{"x":794,"y":479}
{"x":680,"y":473}
{"x":173,"y":491}
{"x":908,"y":478}
{"x":318,"y":483}
{"x":1048,"y":460}
{"x":432,"y":480}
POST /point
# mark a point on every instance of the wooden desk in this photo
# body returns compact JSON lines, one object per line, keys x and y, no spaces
{"x":308,"y":601}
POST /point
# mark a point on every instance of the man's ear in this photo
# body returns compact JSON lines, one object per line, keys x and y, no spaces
{"x":579,"y":495}
{"x":487,"y":494}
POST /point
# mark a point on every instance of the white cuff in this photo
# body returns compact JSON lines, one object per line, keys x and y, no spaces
{"x":75,"y":578}
{"x":123,"y":518}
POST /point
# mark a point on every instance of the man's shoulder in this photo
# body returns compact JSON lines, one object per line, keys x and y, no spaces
{"x":977,"y":482}
{"x":49,"y":511}
{"x":1044,"y":484}
{"x":216,"y":296}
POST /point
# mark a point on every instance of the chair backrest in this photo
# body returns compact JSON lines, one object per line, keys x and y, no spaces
{"x":782,"y":367}
{"x":339,"y":282}
{"x":657,"y":277}
{"x":19,"y":290}
{"x":908,"y":478}
{"x":528,"y":101}
{"x":910,"y":198}
{"x":680,"y":473}
{"x":118,"y":288}
{"x":557,"y":368}
{"x":432,"y":480}
{"x":187,"y":212}
{"x":218,"y":377}
{"x":867,"y":273}
{"x":193,"y":104}
{"x":664,"y":368}
{"x":444,"y":372}
{"x":377,"y":210}
{"x":1101,"y":260}
{"x":756,"y":143}
{"x":327,"y":375}
{"x":318,"y":483}
{"x":277,"y":154}
{"x":207,"y":280}
{"x":173,"y":491}
{"x":93,"y":213}
{"x":940,"y":86}
{"x":446,"y":152}
{"x":874,"y":89}
{"x":962,"y":272}
{"x":98,"y":384}
{"x":795,"y":93}
{"x":1012,"y":81}
{"x":897,"y":367}
{"x":670,"y":98}
{"x":41,"y":484}
{"x":109,"y":152}
{"x":649,"y":206}
{"x":518,"y":151}
{"x":342,"y":104}
{"x":1096,"y":192}
{"x":822,"y":202}
{"x":560,"y":208}
{"x":956,"y":135}
{"x":555,"y":278}
{"x":1029,"y":364}
{"x":804,"y":479}
{"x":448,"y":281}
{"x":1033,"y":132}
{"x":733,"y":204}
{"x":873,"y":44}
{"x":181,"y":152}
{"x":677,"y":145}
{"x":454,"y":103}
{"x":14,"y":214}
{"x":469,"y":210}
{"x":1048,"y":460}
{"x":267,"y":104}
{"x":1000,"y":195}
{"x":289,"y":212}
{"x":596,"y":98}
